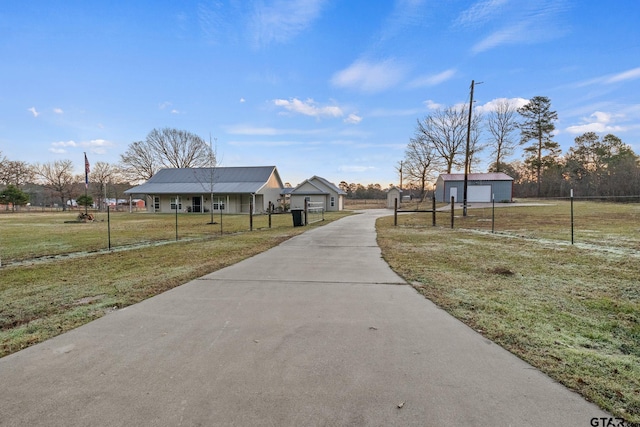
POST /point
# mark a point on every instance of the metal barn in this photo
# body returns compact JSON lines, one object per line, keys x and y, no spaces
{"x":481,"y":187}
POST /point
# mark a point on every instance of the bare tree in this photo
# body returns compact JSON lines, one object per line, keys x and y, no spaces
{"x":179,"y":148}
{"x":58,"y":177}
{"x":168,"y":148}
{"x":117,"y":184}
{"x":139,"y":162}
{"x":420,"y":162}
{"x":475,"y":147}
{"x":15,"y":172}
{"x":445,"y":131}
{"x":502,"y":123}
{"x":102,"y":174}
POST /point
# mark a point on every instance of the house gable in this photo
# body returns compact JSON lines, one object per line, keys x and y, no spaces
{"x":318,"y":189}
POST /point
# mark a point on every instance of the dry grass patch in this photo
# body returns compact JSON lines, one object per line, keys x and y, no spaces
{"x":42,"y":300}
{"x":572,"y":312}
{"x":36,"y":234}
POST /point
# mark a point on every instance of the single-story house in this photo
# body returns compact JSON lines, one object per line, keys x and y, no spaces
{"x":481,"y":187}
{"x":199,"y":190}
{"x":317,"y":190}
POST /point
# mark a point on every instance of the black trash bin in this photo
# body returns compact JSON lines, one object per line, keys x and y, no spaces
{"x":297,"y":217}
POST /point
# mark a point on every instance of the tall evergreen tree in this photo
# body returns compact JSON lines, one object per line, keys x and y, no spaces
{"x":538,"y":126}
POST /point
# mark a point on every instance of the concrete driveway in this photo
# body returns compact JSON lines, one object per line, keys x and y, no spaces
{"x":315,"y":332}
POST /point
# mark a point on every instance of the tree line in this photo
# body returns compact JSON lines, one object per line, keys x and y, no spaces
{"x":55,"y":183}
{"x":593,"y":166}
{"x":359,"y":191}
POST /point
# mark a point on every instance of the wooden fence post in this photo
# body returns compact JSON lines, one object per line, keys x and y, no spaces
{"x":453,"y":205}
{"x":433,"y":210}
{"x":251,"y":216}
{"x":395,"y":212}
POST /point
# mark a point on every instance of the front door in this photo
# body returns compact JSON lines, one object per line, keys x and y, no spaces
{"x":196,"y":204}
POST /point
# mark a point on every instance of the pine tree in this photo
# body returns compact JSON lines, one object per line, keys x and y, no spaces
{"x":538,"y":126}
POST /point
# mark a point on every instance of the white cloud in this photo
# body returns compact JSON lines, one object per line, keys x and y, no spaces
{"x":164,"y":105}
{"x":625,"y":75}
{"x":242,"y":101}
{"x":513,"y":34}
{"x":58,"y":111}
{"x":527,"y":23}
{"x":370,"y":77}
{"x":494,"y":103}
{"x":433,"y":79}
{"x":174,"y":111}
{"x":432,"y":105}
{"x":480,"y":12}
{"x":599,"y":122}
{"x":33,"y":111}
{"x":64,"y":144}
{"x":97,"y":143}
{"x":281,"y":20}
{"x":631,"y":74}
{"x":97,"y":146}
{"x":353,"y":119}
{"x":308,"y":108}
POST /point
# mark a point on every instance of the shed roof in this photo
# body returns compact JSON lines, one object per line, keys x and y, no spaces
{"x":492,"y":176}
{"x":227,"y":180}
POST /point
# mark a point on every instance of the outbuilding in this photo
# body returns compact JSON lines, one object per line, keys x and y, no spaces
{"x":319,"y":191}
{"x":481,"y":187}
{"x":393,"y":194}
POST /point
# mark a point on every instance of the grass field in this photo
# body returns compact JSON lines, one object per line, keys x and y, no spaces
{"x":32,"y":235}
{"x":41,"y":298}
{"x":571,"y":310}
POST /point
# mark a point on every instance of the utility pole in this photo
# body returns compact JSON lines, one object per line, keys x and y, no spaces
{"x":466,"y":157}
{"x":401,"y":163}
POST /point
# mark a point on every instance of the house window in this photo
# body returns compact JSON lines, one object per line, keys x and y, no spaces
{"x":176,"y":201}
{"x":156,"y":203}
{"x":218,"y":205}
{"x":333,"y":201}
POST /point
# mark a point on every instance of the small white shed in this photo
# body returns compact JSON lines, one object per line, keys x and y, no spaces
{"x":393,"y":193}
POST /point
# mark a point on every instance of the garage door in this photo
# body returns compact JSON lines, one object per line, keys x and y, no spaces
{"x":479,"y":193}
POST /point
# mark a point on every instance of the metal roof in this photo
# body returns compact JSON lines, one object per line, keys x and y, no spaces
{"x":227,"y":180}
{"x":492,"y":176}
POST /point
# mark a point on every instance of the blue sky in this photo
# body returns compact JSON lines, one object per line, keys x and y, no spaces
{"x":316,"y":87}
